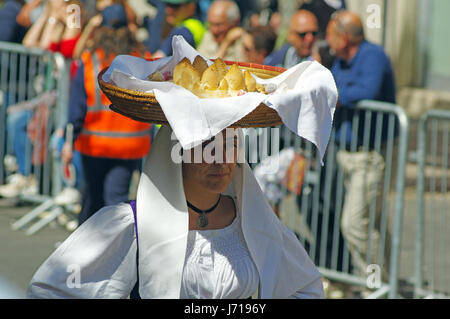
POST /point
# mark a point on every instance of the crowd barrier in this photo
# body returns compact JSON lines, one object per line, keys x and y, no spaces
{"x":34,"y":87}
{"x":432,"y":239}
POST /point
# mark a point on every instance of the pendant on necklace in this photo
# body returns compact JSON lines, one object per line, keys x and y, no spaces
{"x":202,"y":220}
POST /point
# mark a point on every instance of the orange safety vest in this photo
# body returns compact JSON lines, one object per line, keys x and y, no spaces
{"x":106,"y":133}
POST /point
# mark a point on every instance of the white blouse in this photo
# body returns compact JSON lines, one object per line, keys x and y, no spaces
{"x":218,"y":265}
{"x":98,"y":260}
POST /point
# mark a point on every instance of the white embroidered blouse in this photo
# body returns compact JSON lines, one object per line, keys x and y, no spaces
{"x":98,"y":260}
{"x":218,"y":265}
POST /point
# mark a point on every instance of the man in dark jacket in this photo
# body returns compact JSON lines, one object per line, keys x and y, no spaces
{"x":303,"y":31}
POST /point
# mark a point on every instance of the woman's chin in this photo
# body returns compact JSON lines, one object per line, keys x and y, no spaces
{"x":217,"y":184}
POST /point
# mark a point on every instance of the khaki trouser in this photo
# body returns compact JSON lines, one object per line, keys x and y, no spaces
{"x":363,"y":179}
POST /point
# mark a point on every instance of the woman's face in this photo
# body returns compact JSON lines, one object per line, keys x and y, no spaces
{"x":215,"y":169}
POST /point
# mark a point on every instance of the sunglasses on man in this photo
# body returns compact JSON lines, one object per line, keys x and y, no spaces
{"x":174,"y":6}
{"x":303,"y":34}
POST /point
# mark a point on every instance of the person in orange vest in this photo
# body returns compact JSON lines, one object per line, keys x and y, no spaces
{"x":111,"y":145}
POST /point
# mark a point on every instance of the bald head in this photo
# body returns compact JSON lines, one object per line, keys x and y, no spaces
{"x":222,"y":16}
{"x":350,"y":24}
{"x":345,"y":33}
{"x":303,"y":29}
{"x":303,"y":19}
{"x":227,"y":8}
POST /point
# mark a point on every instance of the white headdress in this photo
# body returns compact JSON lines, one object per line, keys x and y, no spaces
{"x":162,"y":223}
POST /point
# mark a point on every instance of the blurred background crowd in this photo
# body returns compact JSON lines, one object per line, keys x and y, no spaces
{"x":89,"y":34}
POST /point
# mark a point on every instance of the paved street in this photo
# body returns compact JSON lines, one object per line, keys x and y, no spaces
{"x":21,"y":255}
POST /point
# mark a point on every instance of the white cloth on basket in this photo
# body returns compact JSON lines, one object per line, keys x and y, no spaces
{"x":305,"y":98}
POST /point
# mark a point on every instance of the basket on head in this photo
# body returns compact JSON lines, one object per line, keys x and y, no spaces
{"x":144,"y":107}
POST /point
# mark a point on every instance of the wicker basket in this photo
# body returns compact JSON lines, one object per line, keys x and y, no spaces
{"x":144,"y":107}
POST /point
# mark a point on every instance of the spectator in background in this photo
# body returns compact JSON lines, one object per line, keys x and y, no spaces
{"x":181,"y":14}
{"x":111,"y":145}
{"x":362,"y":71}
{"x":257,"y":12}
{"x":55,"y":30}
{"x":113,"y":16}
{"x":131,"y":17}
{"x":323,"y":9}
{"x":19,"y":159}
{"x":156,"y":27}
{"x":26,"y":121}
{"x":129,"y":12}
{"x":11,"y":30}
{"x":264,"y":12}
{"x":30,"y":12}
{"x":223,"y":37}
{"x":74,"y":21}
{"x":72,"y":173}
{"x":258,"y":43}
{"x":303,"y":31}
{"x":203,"y":7}
{"x":322,"y":53}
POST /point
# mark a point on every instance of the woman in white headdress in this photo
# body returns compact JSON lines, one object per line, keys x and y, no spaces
{"x":199,"y":231}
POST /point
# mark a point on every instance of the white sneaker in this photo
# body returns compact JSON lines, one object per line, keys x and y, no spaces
{"x":19,"y":185}
{"x":72,"y":225}
{"x":31,"y":188}
{"x":10,"y":163}
{"x":68,"y":196}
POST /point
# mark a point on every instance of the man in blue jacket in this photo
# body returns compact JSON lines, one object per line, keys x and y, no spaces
{"x":362,"y":71}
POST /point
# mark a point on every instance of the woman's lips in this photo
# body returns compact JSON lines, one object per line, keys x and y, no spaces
{"x":218,"y":174}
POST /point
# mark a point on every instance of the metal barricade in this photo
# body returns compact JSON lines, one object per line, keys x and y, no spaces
{"x":432,"y":239}
{"x":315,"y":213}
{"x":26,"y":76}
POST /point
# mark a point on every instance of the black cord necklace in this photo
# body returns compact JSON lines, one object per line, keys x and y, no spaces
{"x":202,"y":219}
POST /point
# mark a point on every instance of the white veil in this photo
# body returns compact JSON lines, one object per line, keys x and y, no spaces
{"x":162,"y":223}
